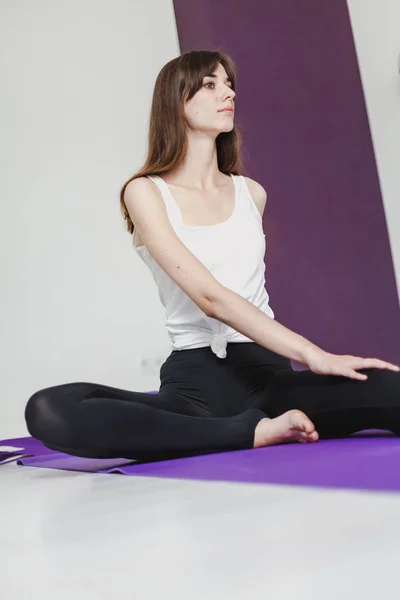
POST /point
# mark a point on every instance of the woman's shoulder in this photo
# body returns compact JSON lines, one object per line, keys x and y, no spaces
{"x":139,"y":186}
{"x":140,"y":182}
{"x":257,"y":192}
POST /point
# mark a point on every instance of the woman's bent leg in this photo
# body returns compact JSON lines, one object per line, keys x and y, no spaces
{"x":338,"y":406}
{"x":97,"y":421}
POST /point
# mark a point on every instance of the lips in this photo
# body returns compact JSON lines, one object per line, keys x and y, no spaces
{"x":226,"y":110}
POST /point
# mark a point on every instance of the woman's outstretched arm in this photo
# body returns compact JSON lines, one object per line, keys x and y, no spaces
{"x":235,"y":311}
{"x":148,"y":213}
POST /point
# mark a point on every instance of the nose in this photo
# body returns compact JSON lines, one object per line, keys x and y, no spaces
{"x":229,"y":93}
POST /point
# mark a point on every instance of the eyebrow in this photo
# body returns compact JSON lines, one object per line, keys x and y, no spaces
{"x":215,"y":76}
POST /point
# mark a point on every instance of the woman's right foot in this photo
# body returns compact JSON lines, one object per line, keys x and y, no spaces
{"x":292,"y":426}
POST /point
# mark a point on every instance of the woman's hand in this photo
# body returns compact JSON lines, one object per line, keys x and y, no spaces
{"x":324,"y":363}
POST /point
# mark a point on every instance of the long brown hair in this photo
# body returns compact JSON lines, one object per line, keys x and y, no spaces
{"x":177,"y":82}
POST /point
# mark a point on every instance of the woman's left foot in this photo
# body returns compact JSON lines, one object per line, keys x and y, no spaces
{"x":292,"y":426}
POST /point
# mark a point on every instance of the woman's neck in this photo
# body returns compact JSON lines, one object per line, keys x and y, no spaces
{"x":199,"y":169}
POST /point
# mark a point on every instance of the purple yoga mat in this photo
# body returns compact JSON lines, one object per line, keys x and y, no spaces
{"x":31,"y":452}
{"x":363,"y":462}
{"x":25,"y":446}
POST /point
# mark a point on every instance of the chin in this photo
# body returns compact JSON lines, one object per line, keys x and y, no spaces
{"x":226,"y":128}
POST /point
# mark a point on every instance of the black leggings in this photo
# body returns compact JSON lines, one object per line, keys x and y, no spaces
{"x":208,"y":404}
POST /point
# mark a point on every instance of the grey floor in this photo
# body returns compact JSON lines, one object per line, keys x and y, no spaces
{"x":67,"y":535}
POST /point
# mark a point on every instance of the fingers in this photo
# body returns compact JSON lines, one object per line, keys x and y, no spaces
{"x":348,"y":366}
{"x":373,"y":363}
{"x":354,"y":375}
{"x":367,"y":363}
{"x":385,"y":365}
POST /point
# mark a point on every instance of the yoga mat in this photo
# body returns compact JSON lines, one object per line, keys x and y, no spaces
{"x":25,"y":446}
{"x":362,"y":462}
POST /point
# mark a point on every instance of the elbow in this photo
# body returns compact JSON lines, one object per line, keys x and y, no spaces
{"x":207,"y":306}
{"x":210,"y":298}
{"x":212,"y":304}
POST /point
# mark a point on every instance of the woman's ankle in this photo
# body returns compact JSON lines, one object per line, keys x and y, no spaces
{"x":259,"y":433}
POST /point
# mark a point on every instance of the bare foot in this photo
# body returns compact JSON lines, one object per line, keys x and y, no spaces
{"x":292,"y":426}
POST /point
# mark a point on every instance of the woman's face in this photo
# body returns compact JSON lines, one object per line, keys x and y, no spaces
{"x":206,"y":111}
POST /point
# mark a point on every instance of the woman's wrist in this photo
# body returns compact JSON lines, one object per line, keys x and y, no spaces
{"x":308,"y":351}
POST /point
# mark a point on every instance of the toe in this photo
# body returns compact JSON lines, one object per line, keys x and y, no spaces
{"x":309,"y":437}
{"x":309,"y":426}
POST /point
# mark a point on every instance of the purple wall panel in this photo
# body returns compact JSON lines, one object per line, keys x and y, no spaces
{"x":300,"y":100}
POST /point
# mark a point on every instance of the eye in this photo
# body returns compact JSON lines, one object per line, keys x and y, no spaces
{"x":213,"y":84}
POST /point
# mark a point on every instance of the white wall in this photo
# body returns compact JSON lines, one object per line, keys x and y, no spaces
{"x":376,"y":30}
{"x":77,"y":304}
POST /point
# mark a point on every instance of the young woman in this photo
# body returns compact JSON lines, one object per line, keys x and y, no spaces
{"x":227,"y":383}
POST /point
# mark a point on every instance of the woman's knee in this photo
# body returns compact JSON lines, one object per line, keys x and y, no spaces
{"x":37,"y":411}
{"x":385,"y":383}
{"x":47,"y":410}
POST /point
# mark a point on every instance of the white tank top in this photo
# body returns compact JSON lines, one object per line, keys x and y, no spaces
{"x":236,"y":264}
